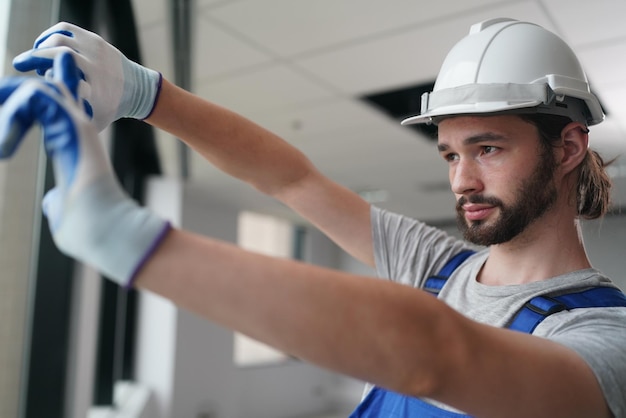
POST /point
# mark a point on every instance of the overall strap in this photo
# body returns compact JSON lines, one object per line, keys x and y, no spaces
{"x":381,"y":403}
{"x":434,"y":284}
{"x":540,"y":307}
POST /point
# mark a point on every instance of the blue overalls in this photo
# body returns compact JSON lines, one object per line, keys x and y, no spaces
{"x":381,"y":403}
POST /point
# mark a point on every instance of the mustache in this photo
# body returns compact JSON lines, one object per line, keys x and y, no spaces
{"x":477,"y":199}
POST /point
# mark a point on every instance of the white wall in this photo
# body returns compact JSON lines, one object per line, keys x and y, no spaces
{"x":157,"y":317}
{"x":605,"y":240}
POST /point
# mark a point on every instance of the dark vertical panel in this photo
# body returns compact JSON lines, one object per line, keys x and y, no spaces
{"x":50,"y":332}
{"x":79,"y":12}
{"x":105,"y":358}
{"x":182,"y":28}
{"x":45,"y":388}
{"x":299,"y":237}
{"x":134,"y":157}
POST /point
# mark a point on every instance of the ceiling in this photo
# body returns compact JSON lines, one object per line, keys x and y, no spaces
{"x":299,"y":67}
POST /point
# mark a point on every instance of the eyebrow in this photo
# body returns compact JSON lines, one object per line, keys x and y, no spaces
{"x":475,"y":139}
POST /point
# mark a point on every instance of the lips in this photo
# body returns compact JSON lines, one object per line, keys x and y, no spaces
{"x":474,"y":212}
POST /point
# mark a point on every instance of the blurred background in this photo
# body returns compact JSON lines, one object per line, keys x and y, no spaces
{"x":333,"y":78}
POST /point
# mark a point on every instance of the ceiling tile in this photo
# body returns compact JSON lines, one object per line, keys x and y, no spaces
{"x":594,"y":61}
{"x":615,"y":101}
{"x":326,"y":117}
{"x":290,"y":27}
{"x":263,"y":90}
{"x":582,"y":22}
{"x":608,"y":138}
{"x":216,"y":52}
{"x":363,"y":156}
{"x":404,"y":59}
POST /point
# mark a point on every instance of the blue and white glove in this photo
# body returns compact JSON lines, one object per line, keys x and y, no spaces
{"x":90,"y":216}
{"x":112,"y":86}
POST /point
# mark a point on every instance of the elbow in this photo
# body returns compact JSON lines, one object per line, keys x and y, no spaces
{"x":285,"y":183}
{"x":446,"y":358}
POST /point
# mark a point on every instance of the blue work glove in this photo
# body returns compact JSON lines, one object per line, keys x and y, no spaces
{"x":112,"y":86}
{"x":90,"y":216}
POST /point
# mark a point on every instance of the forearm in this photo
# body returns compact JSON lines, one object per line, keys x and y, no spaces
{"x":232,"y":143}
{"x":353,"y":325}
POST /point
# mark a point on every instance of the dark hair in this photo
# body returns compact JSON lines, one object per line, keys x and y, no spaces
{"x":593,"y":189}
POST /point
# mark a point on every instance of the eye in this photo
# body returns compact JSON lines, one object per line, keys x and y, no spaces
{"x":488,"y":149}
{"x":450,"y":157}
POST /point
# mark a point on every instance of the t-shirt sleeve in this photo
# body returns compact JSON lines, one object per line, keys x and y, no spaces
{"x":406,"y":250}
{"x":598,"y":335}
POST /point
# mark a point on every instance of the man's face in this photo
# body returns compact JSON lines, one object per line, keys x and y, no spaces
{"x":501,"y":175}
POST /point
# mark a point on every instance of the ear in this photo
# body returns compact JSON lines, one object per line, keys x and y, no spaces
{"x":575,"y":143}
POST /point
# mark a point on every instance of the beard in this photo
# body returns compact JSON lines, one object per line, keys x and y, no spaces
{"x":534,"y":197}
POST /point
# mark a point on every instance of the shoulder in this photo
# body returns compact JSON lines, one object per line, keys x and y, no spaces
{"x":598,"y":335}
{"x":408,"y":250}
{"x":405,"y":231}
{"x":584,"y":320}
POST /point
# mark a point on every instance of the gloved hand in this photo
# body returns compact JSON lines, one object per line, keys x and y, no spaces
{"x":113,"y":87}
{"x":90,"y":216}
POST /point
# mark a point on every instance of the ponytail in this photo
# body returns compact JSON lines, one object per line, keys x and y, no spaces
{"x":593,"y":189}
{"x":593,"y":192}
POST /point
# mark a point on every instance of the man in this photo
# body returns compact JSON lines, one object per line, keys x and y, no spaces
{"x":513,"y":131}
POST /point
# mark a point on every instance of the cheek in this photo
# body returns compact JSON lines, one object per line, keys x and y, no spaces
{"x":502,"y":182}
{"x":509,"y":171}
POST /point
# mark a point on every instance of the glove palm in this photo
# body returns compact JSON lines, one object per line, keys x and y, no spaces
{"x":90,"y":217}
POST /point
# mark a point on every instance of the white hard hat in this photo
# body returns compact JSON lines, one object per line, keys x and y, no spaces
{"x":508,"y":65}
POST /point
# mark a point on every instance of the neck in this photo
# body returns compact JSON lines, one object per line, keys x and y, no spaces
{"x":549,"y":247}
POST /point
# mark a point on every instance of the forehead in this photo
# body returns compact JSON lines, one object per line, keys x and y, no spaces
{"x":459,"y":128}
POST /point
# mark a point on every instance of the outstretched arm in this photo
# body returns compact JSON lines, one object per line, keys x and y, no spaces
{"x":115,"y":87}
{"x":395,"y":336}
{"x":250,"y":153}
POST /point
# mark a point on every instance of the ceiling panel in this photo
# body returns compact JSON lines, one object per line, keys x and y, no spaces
{"x":609,"y":138}
{"x":265,"y":90}
{"x":217,"y":52}
{"x":290,"y":27}
{"x":613,"y":99}
{"x":609,"y":83}
{"x":410,"y":57}
{"x":299,"y":123}
{"x":595,"y":62}
{"x":585,"y":23}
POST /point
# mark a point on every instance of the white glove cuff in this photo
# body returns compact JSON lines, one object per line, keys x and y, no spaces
{"x":110,"y":232}
{"x":141,"y":89}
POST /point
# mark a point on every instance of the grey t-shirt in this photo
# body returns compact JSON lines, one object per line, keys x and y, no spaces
{"x":408,"y":251}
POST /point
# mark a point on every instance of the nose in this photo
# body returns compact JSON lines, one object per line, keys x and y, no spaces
{"x":465,"y":177}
